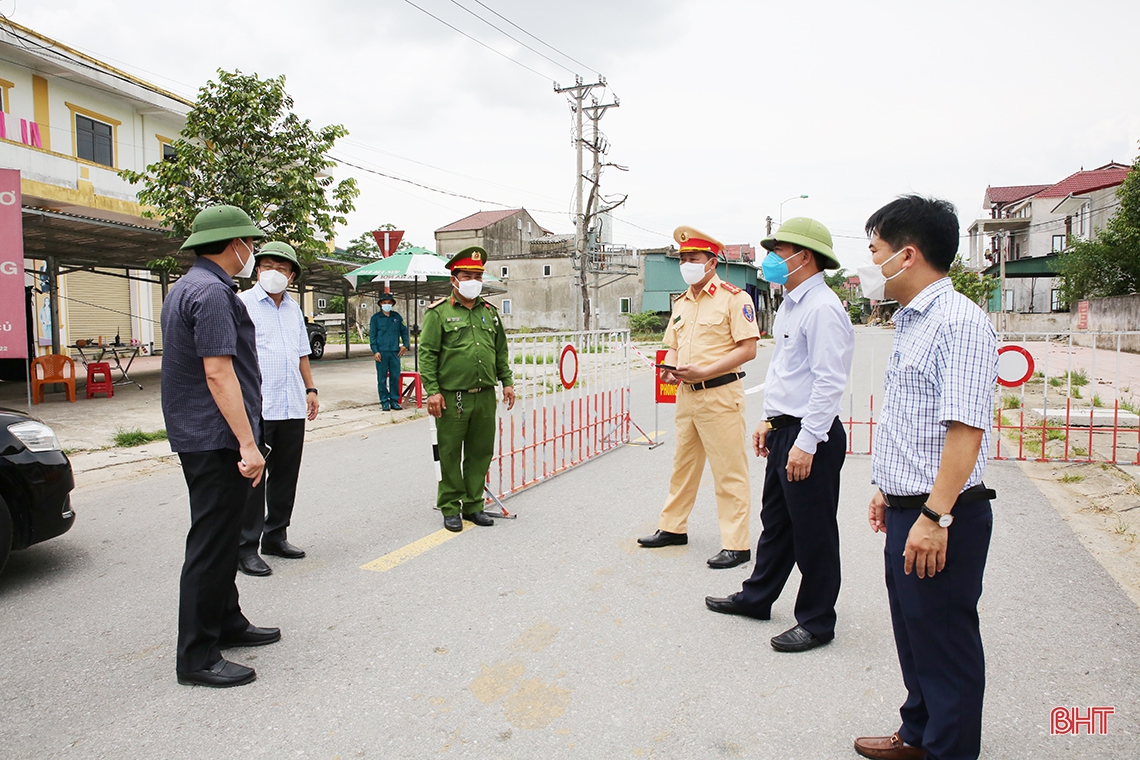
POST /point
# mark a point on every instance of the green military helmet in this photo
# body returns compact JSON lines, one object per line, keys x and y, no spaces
{"x":387,"y":297}
{"x":218,"y":223}
{"x":807,"y":233}
{"x":279,"y":250}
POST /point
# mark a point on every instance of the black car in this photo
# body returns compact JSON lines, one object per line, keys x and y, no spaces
{"x":35,"y":484}
{"x":317,"y":338}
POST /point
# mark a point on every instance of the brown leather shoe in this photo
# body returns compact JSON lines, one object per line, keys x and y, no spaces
{"x":887,"y":748}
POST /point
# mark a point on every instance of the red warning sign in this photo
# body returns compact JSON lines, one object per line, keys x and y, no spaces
{"x":665,"y":393}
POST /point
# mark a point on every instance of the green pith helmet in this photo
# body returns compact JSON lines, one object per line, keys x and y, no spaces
{"x":807,"y":233}
{"x":218,"y":223}
{"x":279,"y":250}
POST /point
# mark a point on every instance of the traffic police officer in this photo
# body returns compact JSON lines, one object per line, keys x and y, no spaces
{"x":388,"y":336}
{"x":711,"y":333}
{"x":463,"y":356}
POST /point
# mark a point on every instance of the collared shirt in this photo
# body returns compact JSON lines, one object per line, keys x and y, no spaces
{"x":705,"y":327}
{"x":202,"y":316}
{"x":942,"y":370}
{"x":282,"y":341}
{"x":387,"y":331}
{"x":463,"y":348}
{"x":812,"y":360}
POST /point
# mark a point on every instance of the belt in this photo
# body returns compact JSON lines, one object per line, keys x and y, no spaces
{"x":468,"y":390}
{"x":716,"y":382}
{"x":781,"y":421}
{"x":974,"y":493}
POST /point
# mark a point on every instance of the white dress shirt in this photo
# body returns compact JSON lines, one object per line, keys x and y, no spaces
{"x":809,"y":369}
{"x":281,"y":342}
{"x":943,"y":369}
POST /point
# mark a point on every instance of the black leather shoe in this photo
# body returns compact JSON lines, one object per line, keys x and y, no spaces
{"x":223,"y":674}
{"x":397,"y":408}
{"x":664,"y":538}
{"x":729,"y":558}
{"x":282,"y":549}
{"x":727,"y":606}
{"x":480,"y":518}
{"x":454,"y":523}
{"x":795,"y":640}
{"x":252,"y":564}
{"x":250,"y":637}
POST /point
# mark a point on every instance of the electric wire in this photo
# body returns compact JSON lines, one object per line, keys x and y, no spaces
{"x":511,"y":36}
{"x":528,"y":34}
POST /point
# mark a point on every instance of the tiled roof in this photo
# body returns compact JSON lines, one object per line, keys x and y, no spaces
{"x":1011,"y":193}
{"x":479,"y":220}
{"x":1109,"y":175}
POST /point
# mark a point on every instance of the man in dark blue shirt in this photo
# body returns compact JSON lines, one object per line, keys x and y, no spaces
{"x":386,"y":333}
{"x":211,"y":400}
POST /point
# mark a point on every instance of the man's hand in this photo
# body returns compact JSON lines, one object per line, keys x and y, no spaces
{"x":509,"y":396}
{"x":403,"y":350}
{"x":925,"y":550}
{"x":436,"y":404}
{"x":877,"y":512}
{"x":252,"y":463}
{"x":691,"y":373}
{"x":799,"y":464}
{"x":760,"y":440}
{"x":376,"y":356}
{"x":312,"y":406}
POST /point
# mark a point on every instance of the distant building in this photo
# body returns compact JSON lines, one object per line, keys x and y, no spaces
{"x":663,"y":282}
{"x":1029,"y":225}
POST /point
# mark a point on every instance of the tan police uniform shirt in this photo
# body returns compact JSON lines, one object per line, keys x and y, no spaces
{"x":702,"y":329}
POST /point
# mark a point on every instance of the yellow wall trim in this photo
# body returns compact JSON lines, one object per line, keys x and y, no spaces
{"x":78,"y":197}
{"x":40,"y":109}
{"x":5,"y":98}
{"x":114,"y":123}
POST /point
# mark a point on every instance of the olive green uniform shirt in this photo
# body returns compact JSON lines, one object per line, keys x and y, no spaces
{"x":462,"y":349}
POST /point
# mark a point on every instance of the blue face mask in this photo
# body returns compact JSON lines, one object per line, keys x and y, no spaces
{"x":775,"y":269}
{"x":386,"y":307}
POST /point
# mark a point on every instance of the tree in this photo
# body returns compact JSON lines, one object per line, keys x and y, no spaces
{"x":974,"y":285}
{"x":243,"y":145}
{"x":1108,"y":264}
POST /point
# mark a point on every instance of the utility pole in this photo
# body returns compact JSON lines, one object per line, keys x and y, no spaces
{"x":578,"y":92}
{"x":768,"y":221}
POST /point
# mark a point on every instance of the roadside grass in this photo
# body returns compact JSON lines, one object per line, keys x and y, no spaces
{"x":136,"y":437}
{"x":1069,"y":477}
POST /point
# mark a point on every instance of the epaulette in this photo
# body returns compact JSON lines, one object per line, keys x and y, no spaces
{"x":437,"y":303}
{"x":489,"y":305}
{"x":730,"y":287}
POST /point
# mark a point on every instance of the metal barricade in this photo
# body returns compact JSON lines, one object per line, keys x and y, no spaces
{"x":1061,"y":396}
{"x":572,"y":405}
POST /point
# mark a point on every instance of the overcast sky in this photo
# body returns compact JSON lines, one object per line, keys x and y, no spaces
{"x":727,"y":108}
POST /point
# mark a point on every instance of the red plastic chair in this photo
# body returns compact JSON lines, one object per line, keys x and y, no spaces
{"x":101,"y":370}
{"x":53,"y":368}
{"x":404,"y":392}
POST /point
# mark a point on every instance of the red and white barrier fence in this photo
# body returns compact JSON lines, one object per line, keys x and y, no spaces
{"x":572,"y":405}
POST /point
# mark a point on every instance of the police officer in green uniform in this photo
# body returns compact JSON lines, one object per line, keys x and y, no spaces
{"x":463,"y":356}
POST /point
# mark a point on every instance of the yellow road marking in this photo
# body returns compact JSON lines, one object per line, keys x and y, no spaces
{"x":653,"y":434}
{"x":412,"y":550}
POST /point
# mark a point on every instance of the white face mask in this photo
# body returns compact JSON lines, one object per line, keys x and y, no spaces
{"x":385,"y":307}
{"x":247,"y":267}
{"x":871,"y":279}
{"x":693,"y":273}
{"x":470,"y":289}
{"x":272,"y":281}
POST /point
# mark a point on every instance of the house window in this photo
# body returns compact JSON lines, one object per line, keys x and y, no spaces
{"x":545,"y":270}
{"x":503,"y":272}
{"x":506,"y":309}
{"x":1058,"y":243}
{"x":421,"y":302}
{"x":93,"y":141}
{"x":322,"y":303}
{"x":624,"y":305}
{"x":1056,"y":300}
{"x":1007,"y":302}
{"x":168,"y":153}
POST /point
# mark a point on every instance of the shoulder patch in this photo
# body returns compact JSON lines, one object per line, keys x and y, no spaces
{"x":437,"y":303}
{"x":730,"y":287}
{"x":489,"y":305}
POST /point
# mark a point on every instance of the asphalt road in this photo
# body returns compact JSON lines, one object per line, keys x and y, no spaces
{"x":552,"y":635}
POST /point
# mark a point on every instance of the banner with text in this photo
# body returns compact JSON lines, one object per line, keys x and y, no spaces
{"x":13,"y":324}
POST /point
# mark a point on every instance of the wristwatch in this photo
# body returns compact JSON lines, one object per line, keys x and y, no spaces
{"x":310,"y":390}
{"x":944,"y":521}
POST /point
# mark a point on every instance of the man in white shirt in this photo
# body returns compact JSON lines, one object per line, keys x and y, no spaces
{"x":288,"y":398}
{"x":803,"y":440}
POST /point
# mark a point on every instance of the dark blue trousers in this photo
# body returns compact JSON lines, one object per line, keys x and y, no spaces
{"x":388,"y":377}
{"x":800,"y":528}
{"x":937,"y":636}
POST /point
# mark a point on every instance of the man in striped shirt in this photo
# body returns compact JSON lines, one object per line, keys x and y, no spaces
{"x":931,"y":444}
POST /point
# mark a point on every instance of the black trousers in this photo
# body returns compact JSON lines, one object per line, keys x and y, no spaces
{"x":800,"y":528}
{"x":270,"y":505}
{"x":208,"y":596}
{"x":937,"y":636}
